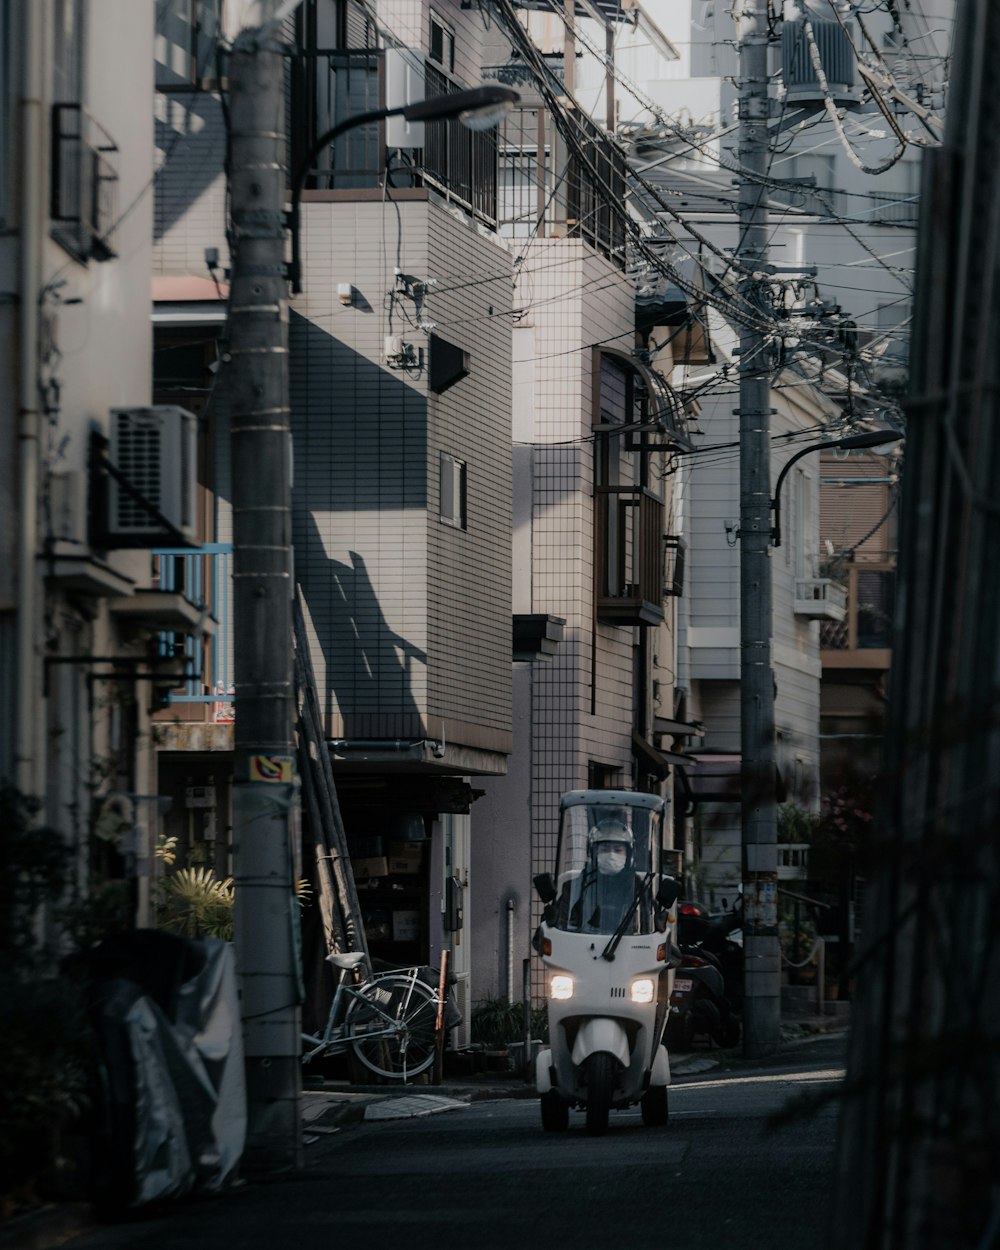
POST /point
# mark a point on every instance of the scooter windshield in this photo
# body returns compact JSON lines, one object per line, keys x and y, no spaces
{"x":603,"y":870}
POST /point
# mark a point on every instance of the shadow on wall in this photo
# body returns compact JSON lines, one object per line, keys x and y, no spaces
{"x":369,"y":666}
{"x":360,"y":438}
{"x":191,"y":148}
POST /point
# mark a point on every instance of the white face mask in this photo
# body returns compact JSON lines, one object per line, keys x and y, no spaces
{"x":611,"y":859}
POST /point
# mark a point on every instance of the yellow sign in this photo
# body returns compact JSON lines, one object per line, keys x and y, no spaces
{"x":272,"y":768}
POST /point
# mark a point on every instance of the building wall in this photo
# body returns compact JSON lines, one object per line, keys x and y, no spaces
{"x":710,"y":637}
{"x":575,"y":707}
{"x":411,"y":616}
{"x":94,"y":355}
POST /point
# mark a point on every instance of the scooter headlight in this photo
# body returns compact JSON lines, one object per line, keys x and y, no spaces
{"x":561,"y":987}
{"x":643,"y":990}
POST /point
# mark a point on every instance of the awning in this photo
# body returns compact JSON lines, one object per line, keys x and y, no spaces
{"x":716,"y":778}
{"x":188,"y":300}
{"x":678,"y":728}
{"x":654,"y":761}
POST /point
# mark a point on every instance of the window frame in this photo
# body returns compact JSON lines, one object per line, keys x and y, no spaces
{"x":454,"y":471}
{"x":446,"y":62}
{"x":193,"y":80}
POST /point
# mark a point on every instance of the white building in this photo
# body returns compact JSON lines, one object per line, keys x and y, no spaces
{"x":80,"y":627}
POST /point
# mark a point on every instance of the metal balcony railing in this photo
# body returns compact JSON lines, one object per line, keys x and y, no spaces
{"x":793,"y":861}
{"x":629,"y":555}
{"x":204,"y":576}
{"x":84,"y":189}
{"x":583,"y":200}
{"x":819,"y":598}
{"x":864,"y":636}
{"x":329,"y":86}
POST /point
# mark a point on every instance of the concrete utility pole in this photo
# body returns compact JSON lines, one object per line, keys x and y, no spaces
{"x":761,"y":953}
{"x":264,"y":830}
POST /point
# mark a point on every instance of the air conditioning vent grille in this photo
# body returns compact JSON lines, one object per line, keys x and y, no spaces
{"x":154,"y":450}
{"x":140,"y":456}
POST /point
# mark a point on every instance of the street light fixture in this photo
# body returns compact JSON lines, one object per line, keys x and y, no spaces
{"x":882,"y":439}
{"x":478,"y":108}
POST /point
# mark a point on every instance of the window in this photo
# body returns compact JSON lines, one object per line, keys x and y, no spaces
{"x":603,"y":776}
{"x":442,"y":44}
{"x":452,"y":491}
{"x":628,"y":517}
{"x":186,"y":33}
{"x":84,"y":171}
{"x":67,"y":52}
{"x":799,"y":551}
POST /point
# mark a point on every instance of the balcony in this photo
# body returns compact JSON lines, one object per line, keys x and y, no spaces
{"x":863,"y":638}
{"x":793,"y":861}
{"x":629,"y":556}
{"x":204,"y":576}
{"x":457,"y":163}
{"x":819,"y":598}
{"x":84,"y":203}
{"x":536,"y":196}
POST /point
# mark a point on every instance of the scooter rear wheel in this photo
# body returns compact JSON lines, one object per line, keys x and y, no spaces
{"x":655,"y":1109}
{"x":555,"y":1113}
{"x":600,"y":1087}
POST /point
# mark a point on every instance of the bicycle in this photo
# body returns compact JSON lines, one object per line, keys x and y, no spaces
{"x":389,"y":1020}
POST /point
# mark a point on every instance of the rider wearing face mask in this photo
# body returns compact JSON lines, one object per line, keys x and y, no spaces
{"x":612,"y":846}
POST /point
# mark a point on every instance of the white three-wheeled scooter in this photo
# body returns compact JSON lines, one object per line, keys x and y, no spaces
{"x":606,"y":941}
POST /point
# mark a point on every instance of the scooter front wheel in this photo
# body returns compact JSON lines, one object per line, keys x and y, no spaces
{"x":600,"y":1087}
{"x":555,"y":1113}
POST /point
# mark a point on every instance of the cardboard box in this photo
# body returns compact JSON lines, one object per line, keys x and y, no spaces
{"x":372,"y":866}
{"x":406,"y":926}
{"x":406,"y":857}
{"x":368,"y":846}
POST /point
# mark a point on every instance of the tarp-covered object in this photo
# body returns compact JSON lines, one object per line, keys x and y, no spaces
{"x":173,"y":1103}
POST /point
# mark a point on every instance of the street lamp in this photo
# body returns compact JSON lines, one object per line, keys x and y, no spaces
{"x":478,"y":108}
{"x":871,"y":438}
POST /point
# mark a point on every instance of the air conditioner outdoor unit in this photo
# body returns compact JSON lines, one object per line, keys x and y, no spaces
{"x":154,"y":450}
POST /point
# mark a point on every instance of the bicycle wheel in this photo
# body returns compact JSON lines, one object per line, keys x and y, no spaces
{"x":391,"y":1026}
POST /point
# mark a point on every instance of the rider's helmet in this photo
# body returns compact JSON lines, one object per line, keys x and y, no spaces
{"x":611,"y":845}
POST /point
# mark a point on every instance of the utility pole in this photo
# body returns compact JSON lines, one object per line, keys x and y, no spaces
{"x":761,"y":953}
{"x":265,"y":853}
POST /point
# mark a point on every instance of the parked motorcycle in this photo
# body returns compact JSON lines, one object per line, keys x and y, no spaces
{"x":606,"y":941}
{"x":708,"y":990}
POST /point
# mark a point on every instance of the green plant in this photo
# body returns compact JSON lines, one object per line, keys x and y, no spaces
{"x":166,"y":849}
{"x":194,"y":902}
{"x":496,"y":1023}
{"x":197,"y":903}
{"x":794,"y":823}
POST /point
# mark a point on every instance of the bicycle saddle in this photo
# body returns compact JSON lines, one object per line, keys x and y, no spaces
{"x":348,"y":960}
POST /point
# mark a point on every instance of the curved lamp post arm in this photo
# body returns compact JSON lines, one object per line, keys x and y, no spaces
{"x":870,"y":438}
{"x":298,"y":181}
{"x":776,"y":501}
{"x":478,"y":107}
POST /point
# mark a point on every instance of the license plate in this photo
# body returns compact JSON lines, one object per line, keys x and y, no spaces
{"x":682,"y":985}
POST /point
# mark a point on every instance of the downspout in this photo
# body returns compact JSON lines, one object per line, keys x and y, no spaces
{"x":27,"y":759}
{"x":511,"y":909}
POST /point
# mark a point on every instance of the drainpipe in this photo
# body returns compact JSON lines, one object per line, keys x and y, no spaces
{"x":27,"y":758}
{"x":511,"y":909}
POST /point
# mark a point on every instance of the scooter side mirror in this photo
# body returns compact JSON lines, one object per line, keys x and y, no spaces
{"x":545,"y":887}
{"x":668,"y":892}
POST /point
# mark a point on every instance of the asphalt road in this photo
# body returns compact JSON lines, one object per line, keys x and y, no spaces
{"x":485,"y":1176}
